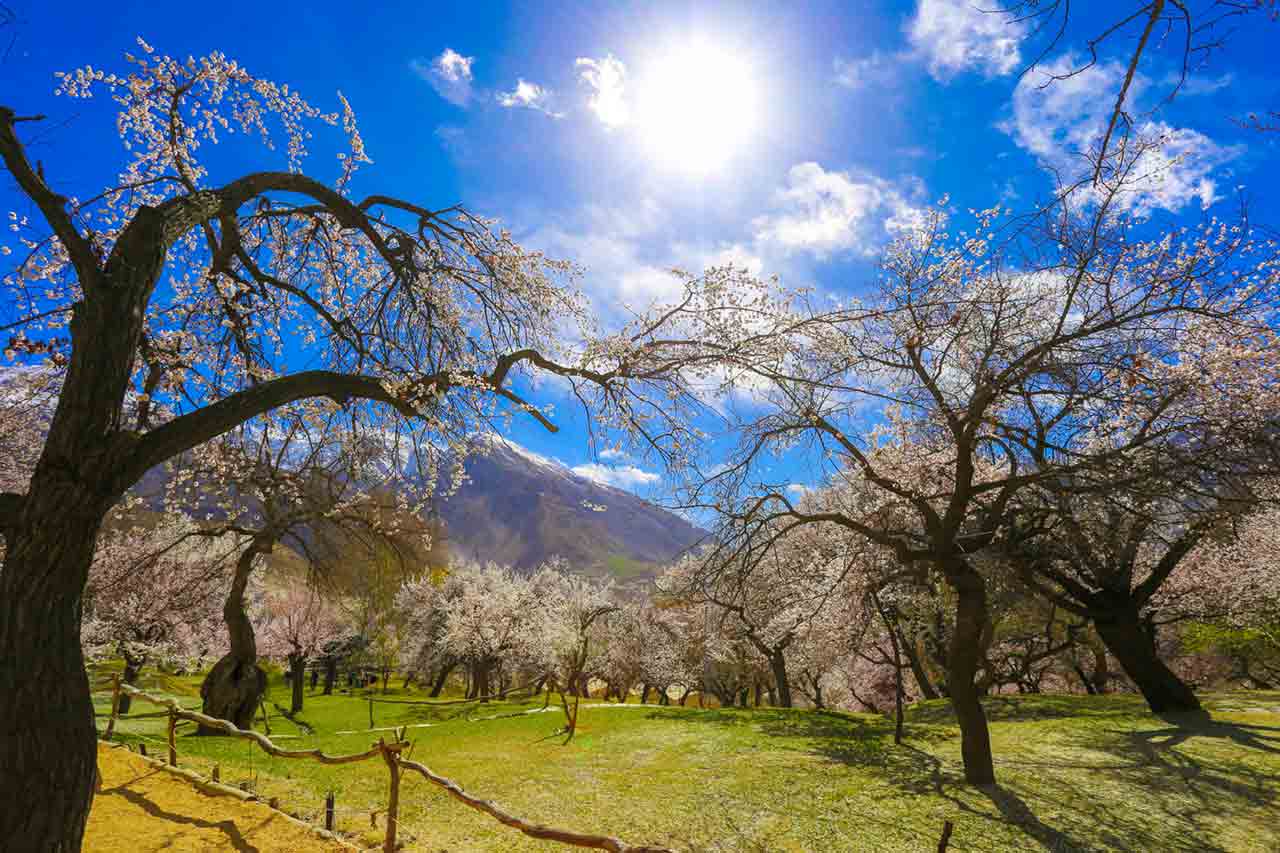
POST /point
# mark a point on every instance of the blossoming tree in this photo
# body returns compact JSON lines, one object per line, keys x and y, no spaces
{"x":1000,"y":355}
{"x":221,"y":297}
{"x":155,"y":594}
{"x":295,"y":624}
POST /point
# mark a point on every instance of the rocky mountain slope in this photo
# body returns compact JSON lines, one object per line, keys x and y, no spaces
{"x":521,"y":508}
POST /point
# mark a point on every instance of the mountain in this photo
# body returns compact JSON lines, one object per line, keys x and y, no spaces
{"x":521,"y":508}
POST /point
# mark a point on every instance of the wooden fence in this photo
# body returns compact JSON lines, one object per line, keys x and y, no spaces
{"x":390,"y":753}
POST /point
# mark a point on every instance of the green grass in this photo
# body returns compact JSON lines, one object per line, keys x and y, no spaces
{"x":1076,"y":773}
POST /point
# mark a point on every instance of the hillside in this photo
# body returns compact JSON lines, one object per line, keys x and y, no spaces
{"x":521,"y":508}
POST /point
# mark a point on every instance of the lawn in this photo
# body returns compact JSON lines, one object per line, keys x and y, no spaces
{"x":1076,"y":773}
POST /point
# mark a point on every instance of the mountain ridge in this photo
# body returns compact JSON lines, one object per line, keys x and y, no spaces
{"x":520,"y":508}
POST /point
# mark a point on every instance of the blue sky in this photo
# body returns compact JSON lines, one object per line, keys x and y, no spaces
{"x":791,"y":138}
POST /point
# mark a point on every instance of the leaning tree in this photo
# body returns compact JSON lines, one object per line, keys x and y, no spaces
{"x":287,"y":480}
{"x":207,"y":300}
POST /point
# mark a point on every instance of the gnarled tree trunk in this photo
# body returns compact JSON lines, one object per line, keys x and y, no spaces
{"x":48,"y":751}
{"x":132,"y":669}
{"x":1128,"y":640}
{"x":234,"y":688}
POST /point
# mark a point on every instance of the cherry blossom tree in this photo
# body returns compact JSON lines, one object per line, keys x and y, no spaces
{"x":155,"y":595}
{"x":299,"y":479}
{"x":296,"y":624}
{"x":572,"y":629}
{"x":1002,"y":357}
{"x":219,"y":297}
{"x":493,"y":618}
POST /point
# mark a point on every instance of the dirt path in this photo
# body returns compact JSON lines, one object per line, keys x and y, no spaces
{"x":143,"y":808}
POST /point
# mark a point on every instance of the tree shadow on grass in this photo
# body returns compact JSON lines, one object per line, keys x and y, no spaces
{"x":235,"y":838}
{"x":1184,"y":797}
{"x":1009,"y":708}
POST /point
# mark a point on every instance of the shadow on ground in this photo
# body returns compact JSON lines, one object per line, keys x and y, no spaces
{"x":1105,"y":779}
{"x":235,"y":839}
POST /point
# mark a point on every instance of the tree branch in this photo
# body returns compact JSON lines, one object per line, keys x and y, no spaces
{"x":195,"y":428}
{"x":52,"y":205}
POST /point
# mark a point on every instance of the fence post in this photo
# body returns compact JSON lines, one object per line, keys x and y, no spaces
{"x":173,"y":746}
{"x":370,"y":710}
{"x":946,"y":836}
{"x":217,"y":773}
{"x":392,"y":757}
{"x":115,"y":706}
{"x":328,"y":811}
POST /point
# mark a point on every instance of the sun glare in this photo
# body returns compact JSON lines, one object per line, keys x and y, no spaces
{"x":697,"y":107}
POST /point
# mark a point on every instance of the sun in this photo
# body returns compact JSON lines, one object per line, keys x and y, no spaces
{"x":697,"y":107}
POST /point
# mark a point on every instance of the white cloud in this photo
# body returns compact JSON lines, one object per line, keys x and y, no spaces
{"x":954,"y":36}
{"x":798,"y":489}
{"x":1199,"y":85}
{"x":622,"y":253}
{"x":449,"y":74}
{"x":824,"y":212}
{"x":1062,"y":122}
{"x":607,"y":80}
{"x":878,"y":69}
{"x":622,"y":476}
{"x":530,"y":96}
{"x":613,"y":453}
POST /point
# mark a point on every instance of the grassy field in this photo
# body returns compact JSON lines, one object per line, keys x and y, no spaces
{"x":1076,"y":773}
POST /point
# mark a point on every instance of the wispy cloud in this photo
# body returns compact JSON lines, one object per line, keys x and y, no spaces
{"x":621,"y":476}
{"x":824,"y":212}
{"x":878,"y":69}
{"x":449,"y":74}
{"x":606,"y":78}
{"x":529,"y":96}
{"x":954,"y":36}
{"x":1061,"y":123}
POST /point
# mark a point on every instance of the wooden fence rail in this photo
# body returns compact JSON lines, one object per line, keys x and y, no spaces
{"x":390,"y":753}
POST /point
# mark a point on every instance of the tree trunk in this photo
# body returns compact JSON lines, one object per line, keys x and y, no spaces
{"x":921,"y":675}
{"x":234,"y":688}
{"x":48,"y":750}
{"x":1121,"y":629}
{"x":644,"y":695}
{"x":132,"y":668}
{"x":963,"y":661}
{"x":297,"y":673}
{"x":443,"y":676}
{"x":480,"y":684}
{"x":1101,"y":673}
{"x":778,"y":663}
{"x":1084,"y":679}
{"x":330,"y":674}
